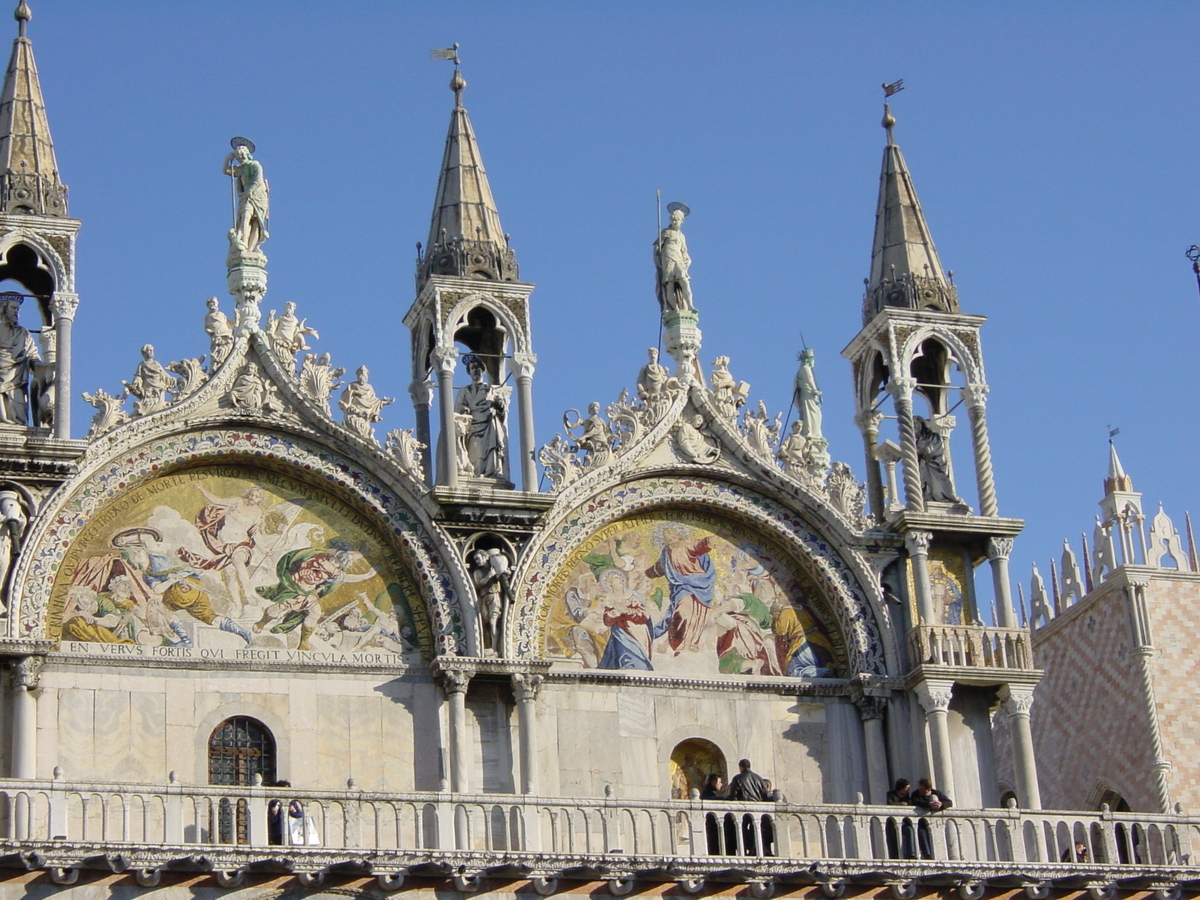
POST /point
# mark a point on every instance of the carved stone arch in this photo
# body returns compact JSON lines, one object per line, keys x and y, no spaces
{"x":867,"y":370}
{"x":963,"y":356}
{"x":49,"y":261}
{"x":514,"y":328}
{"x":1103,"y":792}
{"x":850,"y":593}
{"x":275,"y":724}
{"x":426,"y":552}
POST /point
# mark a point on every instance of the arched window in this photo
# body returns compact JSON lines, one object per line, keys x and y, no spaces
{"x":692,"y":762}
{"x":238,"y":749}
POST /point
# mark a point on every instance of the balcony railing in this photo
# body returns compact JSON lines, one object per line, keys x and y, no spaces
{"x":970,"y":646}
{"x":156,"y":825}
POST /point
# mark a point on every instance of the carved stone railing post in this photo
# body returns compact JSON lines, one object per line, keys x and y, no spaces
{"x":902,"y":390}
{"x":63,"y":305}
{"x":446,"y":361}
{"x":173,"y":811}
{"x":868,"y":422}
{"x":1017,"y":699}
{"x":917,"y":544}
{"x":976,"y":397}
{"x":256,"y":818}
{"x":422,"y":398}
{"x":352,"y":810}
{"x":523,"y":363}
{"x":998,"y":551}
{"x":934,"y":697}
{"x":872,"y":706}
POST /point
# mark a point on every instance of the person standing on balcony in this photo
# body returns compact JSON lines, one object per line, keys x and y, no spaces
{"x":749,"y":787}
{"x":901,"y":839}
{"x":930,"y":799}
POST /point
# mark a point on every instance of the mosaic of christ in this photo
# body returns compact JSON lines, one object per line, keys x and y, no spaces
{"x":233,"y":558}
{"x":681,"y":593}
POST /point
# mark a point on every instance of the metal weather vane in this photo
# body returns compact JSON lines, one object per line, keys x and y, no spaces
{"x":1193,"y":253}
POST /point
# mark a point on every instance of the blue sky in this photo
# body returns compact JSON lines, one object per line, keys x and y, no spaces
{"x":1053,"y":147}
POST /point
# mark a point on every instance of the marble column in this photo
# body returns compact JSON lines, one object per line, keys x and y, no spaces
{"x":934,"y":697}
{"x":868,"y":422}
{"x":422,"y":398}
{"x":917,"y":544}
{"x":523,"y":364}
{"x":998,"y":551}
{"x":26,"y":674}
{"x":1017,"y":699}
{"x":902,"y":390}
{"x":446,"y":361}
{"x":976,"y":398}
{"x":454,"y":683}
{"x":872,"y":707}
{"x":525,"y":690}
{"x":63,"y":305}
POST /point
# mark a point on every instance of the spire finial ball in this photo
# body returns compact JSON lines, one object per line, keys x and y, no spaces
{"x":457,"y":83}
{"x":889,"y":121}
{"x":22,"y":14}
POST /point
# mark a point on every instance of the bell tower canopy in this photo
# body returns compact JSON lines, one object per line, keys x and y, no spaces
{"x":465,"y":237}
{"x":29,"y":180}
{"x":905,"y":269}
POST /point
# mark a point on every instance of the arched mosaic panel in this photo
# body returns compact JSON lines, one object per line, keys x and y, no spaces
{"x":230,"y":562}
{"x":684,"y":593}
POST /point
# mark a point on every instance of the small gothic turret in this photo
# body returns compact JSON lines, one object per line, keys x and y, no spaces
{"x":905,"y":269}
{"x":465,"y":237}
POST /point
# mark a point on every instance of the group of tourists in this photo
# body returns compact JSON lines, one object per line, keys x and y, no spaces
{"x":904,"y":837}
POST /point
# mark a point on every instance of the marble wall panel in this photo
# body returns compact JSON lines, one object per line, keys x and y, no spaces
{"x":76,"y":733}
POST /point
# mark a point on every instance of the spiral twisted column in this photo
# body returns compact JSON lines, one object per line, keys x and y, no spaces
{"x":868,"y":422}
{"x":976,"y":397}
{"x":902,"y":390}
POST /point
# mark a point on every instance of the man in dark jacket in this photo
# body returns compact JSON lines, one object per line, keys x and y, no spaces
{"x":930,"y":799}
{"x":749,"y":787}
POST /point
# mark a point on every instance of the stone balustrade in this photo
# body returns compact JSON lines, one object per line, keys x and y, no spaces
{"x":971,"y":646}
{"x":161,"y":823}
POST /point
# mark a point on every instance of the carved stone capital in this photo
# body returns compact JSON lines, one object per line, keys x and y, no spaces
{"x":526,"y":686}
{"x":421,"y":392}
{"x":868,"y":421}
{"x":999,"y":547}
{"x":1137,"y":580}
{"x":934,"y":695}
{"x":1016,"y":701}
{"x":975,"y":396}
{"x":445,"y":359}
{"x":453,"y":679}
{"x":27,"y":672}
{"x":63,"y":304}
{"x":869,"y":706}
{"x":523,"y":364}
{"x":917,"y":543}
{"x":901,"y":388}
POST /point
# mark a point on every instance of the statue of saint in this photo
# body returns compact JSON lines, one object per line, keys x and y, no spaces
{"x":935,"y":472}
{"x":287,"y":332}
{"x":249,"y":230}
{"x":13,"y":521}
{"x":808,"y":396}
{"x":361,"y":406}
{"x":219,"y":331}
{"x":489,"y":571}
{"x":672,"y":260}
{"x":18,"y":355}
{"x":654,"y":386}
{"x":487,"y":405}
{"x":150,"y":384}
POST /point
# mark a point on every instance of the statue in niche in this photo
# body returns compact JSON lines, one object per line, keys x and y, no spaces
{"x":936,"y":485}
{"x":655,"y":386}
{"x":219,"y":331}
{"x":319,"y":378}
{"x":287,"y":332}
{"x":19,"y":355}
{"x":807,"y":397}
{"x":490,"y":572}
{"x":361,"y":406}
{"x":487,"y":405}
{"x":13,"y":522}
{"x":150,"y":384}
{"x":249,"y":391}
{"x":249,"y":230}
{"x":672,"y":261}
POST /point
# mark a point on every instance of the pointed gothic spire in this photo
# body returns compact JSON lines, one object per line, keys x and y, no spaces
{"x":905,"y":269}
{"x":465,"y":237}
{"x":29,"y":181}
{"x":1117,"y":480}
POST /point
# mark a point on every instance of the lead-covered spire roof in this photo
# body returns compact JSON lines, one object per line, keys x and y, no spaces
{"x":29,"y":180}
{"x":905,"y":269}
{"x":465,"y":237}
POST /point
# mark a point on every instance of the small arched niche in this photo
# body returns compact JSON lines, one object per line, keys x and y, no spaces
{"x":692,"y":762}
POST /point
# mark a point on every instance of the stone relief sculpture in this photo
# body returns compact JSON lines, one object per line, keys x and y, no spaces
{"x":361,"y":406}
{"x":793,"y":451}
{"x":150,"y":384}
{"x":287,"y":332}
{"x":252,"y":393}
{"x":490,"y":573}
{"x":486,"y":437}
{"x":249,"y":230}
{"x":191,"y":376}
{"x":13,"y":522}
{"x":595,"y":440}
{"x":19,"y":354}
{"x":219,"y":331}
{"x":729,"y":395}
{"x":936,"y":484}
{"x":599,"y":442}
{"x":406,"y":450}
{"x":847,"y":495}
{"x":655,"y":387}
{"x":692,"y":443}
{"x":109,"y":413}
{"x":318,"y":379}
{"x":673,"y":262}
{"x":760,"y":431}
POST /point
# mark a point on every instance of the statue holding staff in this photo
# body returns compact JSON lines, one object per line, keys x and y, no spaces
{"x":672,"y":261}
{"x":252,"y":193}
